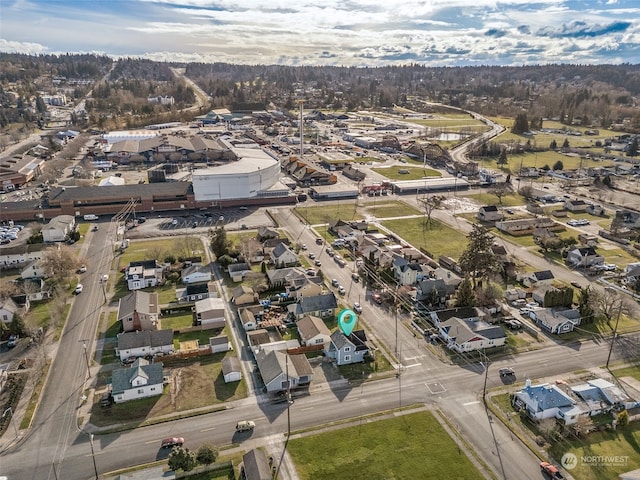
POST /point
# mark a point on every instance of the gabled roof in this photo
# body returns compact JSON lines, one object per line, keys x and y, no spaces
{"x":284,"y":275}
{"x":9,"y":305}
{"x":231,"y":364}
{"x":238,"y":267}
{"x":121,"y":378}
{"x":256,"y":466}
{"x":211,"y":303}
{"x":357,"y":340}
{"x":197,"y":288}
{"x":545,"y":396}
{"x":273,"y":364}
{"x":309,"y":326}
{"x":316,"y":303}
{"x":280,"y":250}
{"x":544,"y":275}
{"x":489,"y":208}
{"x":138,"y":301}
{"x":241,"y":290}
{"x":195,"y":269}
{"x":145,"y":338}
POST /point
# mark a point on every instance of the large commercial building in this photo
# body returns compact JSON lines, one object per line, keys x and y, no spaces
{"x":255,"y":173}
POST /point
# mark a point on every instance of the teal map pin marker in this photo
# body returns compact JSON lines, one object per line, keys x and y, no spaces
{"x":347,"y":320}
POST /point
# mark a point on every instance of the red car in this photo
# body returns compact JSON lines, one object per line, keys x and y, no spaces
{"x":172,"y":442}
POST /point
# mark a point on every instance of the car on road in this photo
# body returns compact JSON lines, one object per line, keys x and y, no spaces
{"x":357,"y":307}
{"x":319,"y":241}
{"x":245,"y":425}
{"x":304,"y":246}
{"x":95,"y":228}
{"x":551,"y":471}
{"x":82,"y":269}
{"x":312,"y":256}
{"x":376,"y":298}
{"x":576,"y":284}
{"x":335,"y":282}
{"x":78,"y":289}
{"x":172,"y":442}
{"x":318,"y":263}
{"x":355,"y":277}
{"x":13,"y":340}
{"x":507,"y":372}
{"x":341,"y":290}
{"x":509,"y":211}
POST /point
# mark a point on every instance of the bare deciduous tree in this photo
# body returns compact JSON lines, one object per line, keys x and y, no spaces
{"x":59,"y":263}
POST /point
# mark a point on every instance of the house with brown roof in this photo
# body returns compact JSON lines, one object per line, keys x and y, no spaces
{"x":313,"y":331}
{"x":139,"y":311}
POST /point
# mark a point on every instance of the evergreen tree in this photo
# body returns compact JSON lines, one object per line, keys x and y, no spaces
{"x":464,"y":294}
{"x":632,"y":150}
{"x":502,"y":158}
{"x":558,"y":165}
{"x":553,"y":145}
{"x":219,"y":244}
{"x":565,"y":144}
{"x":478,"y":260}
{"x":585,"y":305}
{"x":520,"y":125}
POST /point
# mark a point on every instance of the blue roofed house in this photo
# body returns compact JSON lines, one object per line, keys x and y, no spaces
{"x":141,"y":380}
{"x":556,"y":320}
{"x":347,"y":349}
{"x":546,"y":401}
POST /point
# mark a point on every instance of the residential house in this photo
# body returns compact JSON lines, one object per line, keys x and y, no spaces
{"x":220,"y":344}
{"x":210,"y":313}
{"x":144,"y":343}
{"x":58,"y":229}
{"x":535,"y":278}
{"x":588,"y":239}
{"x":8,"y":309}
{"x":470,"y":335}
{"x":500,"y":252}
{"x":463,"y":313}
{"x":258,"y":337}
{"x":282,"y":256}
{"x":18,"y":255}
{"x":599,"y":396}
{"x":304,"y":287}
{"x":193,"y":292}
{"x":231,"y":369}
{"x":196,"y":274}
{"x":632,"y":274}
{"x":322,"y":306}
{"x":584,"y":257}
{"x":431,"y":291}
{"x":597,"y":210}
{"x":243,"y":295}
{"x":546,"y":401}
{"x":36,"y":289}
{"x":34,"y":269}
{"x":490,"y":213}
{"x":280,"y":371}
{"x":139,"y":311}
{"x":237,"y":271}
{"x":556,"y":320}
{"x":404,"y":272}
{"x":283,"y":277}
{"x":255,"y":466}
{"x":143,"y":274}
{"x":313,"y":331}
{"x":265,"y":233}
{"x":141,"y":380}
{"x":576,"y":205}
{"x":526,"y":225}
{"x":345,"y":349}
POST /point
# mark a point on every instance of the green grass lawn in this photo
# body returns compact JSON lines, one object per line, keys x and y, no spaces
{"x":328,"y":213}
{"x":389,"y":209}
{"x":177,"y":321}
{"x":628,"y":372}
{"x":511,"y":200}
{"x":411,"y":173}
{"x":438,"y":239}
{"x":618,"y":256}
{"x":409,"y":446}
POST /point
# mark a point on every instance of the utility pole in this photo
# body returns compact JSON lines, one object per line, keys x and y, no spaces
{"x":615,"y":333}
{"x":93,"y":455}
{"x":86,"y":358}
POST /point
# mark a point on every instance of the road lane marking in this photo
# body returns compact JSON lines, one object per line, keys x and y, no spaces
{"x":208,"y":429}
{"x":475,"y":402}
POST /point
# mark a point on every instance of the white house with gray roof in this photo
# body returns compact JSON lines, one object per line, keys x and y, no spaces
{"x":347,"y":349}
{"x":313,"y":331}
{"x":279,"y":370}
{"x":142,"y":343}
{"x":58,"y":229}
{"x":283,"y":256}
{"x":139,"y":311}
{"x":469,"y":335}
{"x":319,"y":306}
{"x":141,"y":380}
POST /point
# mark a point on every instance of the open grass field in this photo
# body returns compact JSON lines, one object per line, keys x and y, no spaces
{"x":628,"y":372}
{"x":410,"y":173}
{"x":409,"y":446}
{"x":328,"y":213}
{"x":389,"y":209}
{"x":512,"y":200}
{"x":438,"y":238}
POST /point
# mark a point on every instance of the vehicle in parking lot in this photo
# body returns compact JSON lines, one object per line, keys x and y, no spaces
{"x":357,"y":307}
{"x":507,"y":372}
{"x":174,"y":221}
{"x":172,"y":442}
{"x":243,"y":209}
{"x":524,"y":311}
{"x":245,"y":425}
{"x":376,"y":298}
{"x":78,"y":289}
{"x":310,"y":271}
{"x":532,"y":305}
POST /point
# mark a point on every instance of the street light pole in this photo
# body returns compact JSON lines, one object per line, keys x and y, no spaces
{"x":86,"y":358}
{"x":12,"y":420}
{"x":93,"y":455}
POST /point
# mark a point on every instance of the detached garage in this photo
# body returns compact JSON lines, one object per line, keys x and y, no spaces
{"x":231,"y":370}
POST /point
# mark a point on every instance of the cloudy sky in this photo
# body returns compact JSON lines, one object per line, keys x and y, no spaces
{"x":333,"y":32}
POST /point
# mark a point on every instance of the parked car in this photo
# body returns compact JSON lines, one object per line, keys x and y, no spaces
{"x":304,"y":246}
{"x":319,"y":241}
{"x":13,"y":340}
{"x":78,"y":289}
{"x":357,"y":307}
{"x":513,"y":324}
{"x":245,"y":425}
{"x":95,"y":228}
{"x":318,"y":263}
{"x":334,"y":282}
{"x":507,"y":372}
{"x":524,"y":311}
{"x":355,"y":277}
{"x":341,"y":290}
{"x":172,"y":442}
{"x":312,"y":255}
{"x":82,"y":269}
{"x":106,"y":400}
{"x":376,"y":298}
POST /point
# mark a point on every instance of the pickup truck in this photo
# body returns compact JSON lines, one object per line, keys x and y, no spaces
{"x":551,"y":471}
